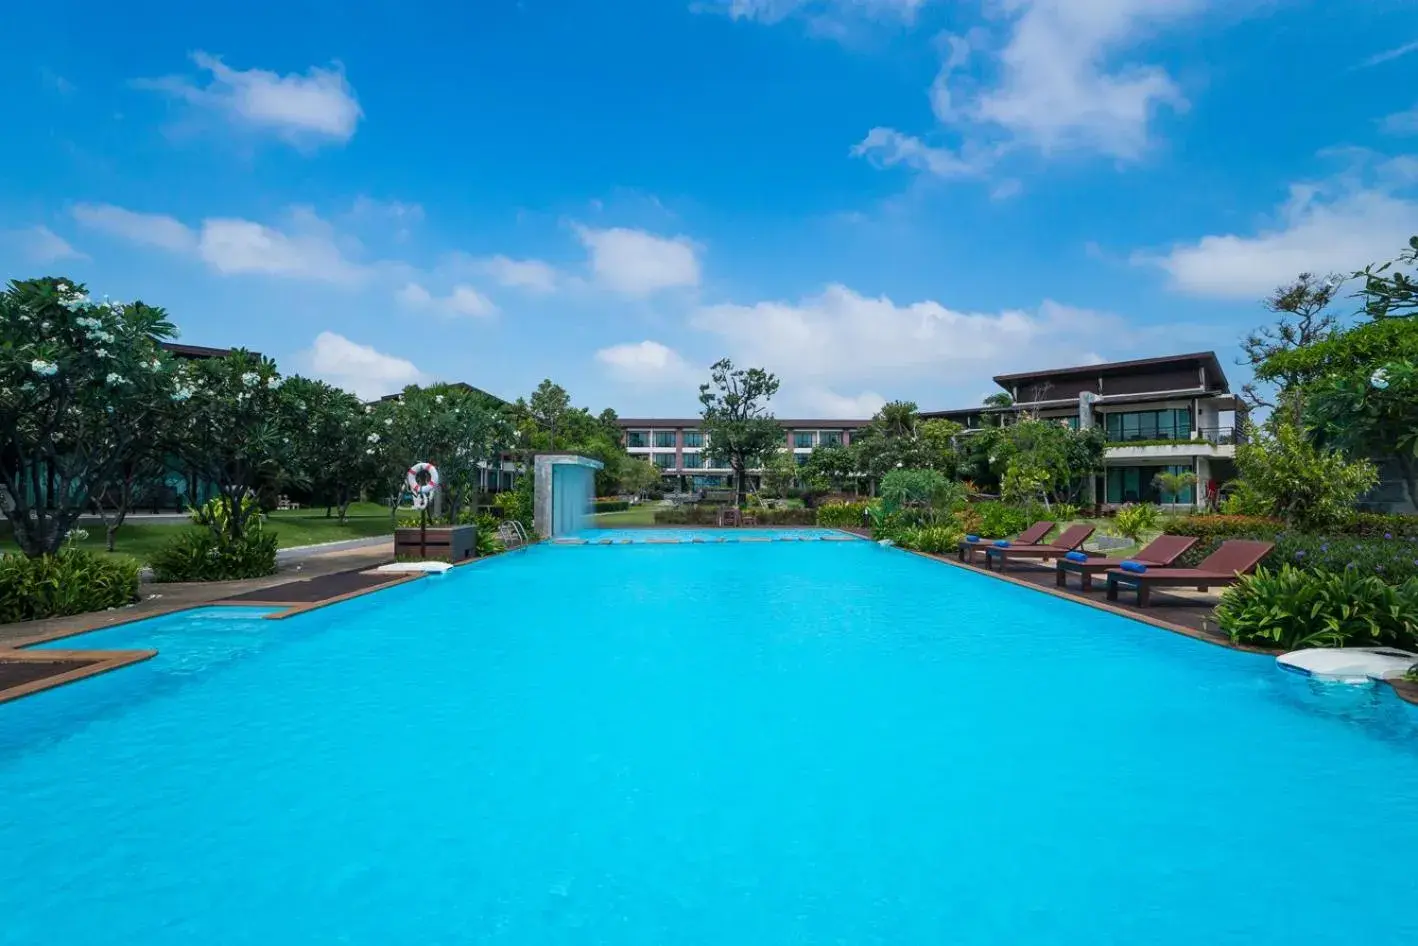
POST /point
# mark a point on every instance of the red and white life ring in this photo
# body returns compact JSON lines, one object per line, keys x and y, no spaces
{"x":422,"y":492}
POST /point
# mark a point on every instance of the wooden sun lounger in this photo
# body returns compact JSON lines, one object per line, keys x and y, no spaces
{"x":1067,"y":540}
{"x":1233,"y":559}
{"x":1029,"y":536}
{"x":1159,"y":553}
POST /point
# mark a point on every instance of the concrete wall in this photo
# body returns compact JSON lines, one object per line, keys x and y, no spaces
{"x":563,"y":490}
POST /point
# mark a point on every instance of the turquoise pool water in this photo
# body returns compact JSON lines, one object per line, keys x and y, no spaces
{"x":707,"y":744}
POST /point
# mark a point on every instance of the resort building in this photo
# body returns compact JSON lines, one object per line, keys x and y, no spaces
{"x":1174,"y":414}
{"x":676,"y":446}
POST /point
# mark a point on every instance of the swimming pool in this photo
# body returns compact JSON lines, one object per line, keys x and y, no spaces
{"x":706,"y":744}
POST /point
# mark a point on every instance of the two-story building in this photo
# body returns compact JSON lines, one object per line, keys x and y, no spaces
{"x":1171,"y":414}
{"x":677,"y":447}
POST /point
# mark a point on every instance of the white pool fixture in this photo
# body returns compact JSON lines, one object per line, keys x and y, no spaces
{"x":415,"y":568}
{"x":422,"y":490}
{"x":886,"y":543}
{"x":1357,"y":665}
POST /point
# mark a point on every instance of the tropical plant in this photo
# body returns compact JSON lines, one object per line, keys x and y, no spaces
{"x":1304,"y":319}
{"x":1290,"y":608}
{"x":208,"y":555}
{"x":1001,"y":520}
{"x":1388,"y":292}
{"x":546,"y":408}
{"x":329,"y":431}
{"x":82,"y":387}
{"x":1308,"y":486}
{"x":780,"y":473}
{"x":842,"y":515}
{"x":831,"y":464}
{"x":635,"y":475}
{"x":70,"y":581}
{"x":1136,"y":520}
{"x":740,"y":429}
{"x":935,"y":540}
{"x":1174,"y":484}
{"x":924,"y":496}
{"x":1372,"y":414}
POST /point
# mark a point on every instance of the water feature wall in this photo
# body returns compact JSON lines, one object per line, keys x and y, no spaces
{"x":564,"y":489}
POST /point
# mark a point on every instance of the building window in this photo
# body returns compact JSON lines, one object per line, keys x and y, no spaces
{"x":830,"y":438}
{"x":637,"y":438}
{"x":1134,"y":484}
{"x":692,"y":461}
{"x":665,"y":461}
{"x":693,"y":438}
{"x":802,"y":458}
{"x":1070,"y":422}
{"x":803,"y":439}
{"x":1171,"y":424}
{"x":664,"y":438}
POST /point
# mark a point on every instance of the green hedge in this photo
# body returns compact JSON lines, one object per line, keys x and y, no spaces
{"x":609,"y":505}
{"x":839,"y":515}
{"x":71,"y":582}
{"x":1391,"y":556}
{"x":1292,"y":608}
{"x":706,"y":515}
{"x":197,"y":555}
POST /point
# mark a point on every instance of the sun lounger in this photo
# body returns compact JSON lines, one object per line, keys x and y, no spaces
{"x":1029,"y":536}
{"x":1159,"y":553}
{"x":1066,"y":541}
{"x":1223,"y":567}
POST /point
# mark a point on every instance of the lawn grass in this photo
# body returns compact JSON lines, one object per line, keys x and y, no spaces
{"x":642,"y":514}
{"x":292,"y":527}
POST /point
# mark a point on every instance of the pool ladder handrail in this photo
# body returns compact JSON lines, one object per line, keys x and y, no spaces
{"x":510,"y":532}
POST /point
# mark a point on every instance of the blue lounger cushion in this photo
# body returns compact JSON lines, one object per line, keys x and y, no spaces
{"x":1076,"y":557}
{"x":1002,"y":544}
{"x":972,"y":538}
{"x":1137,"y":568}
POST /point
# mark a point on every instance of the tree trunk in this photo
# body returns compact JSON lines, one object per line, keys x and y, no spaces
{"x":327,"y":512}
{"x":110,"y":530}
{"x":741,"y":496}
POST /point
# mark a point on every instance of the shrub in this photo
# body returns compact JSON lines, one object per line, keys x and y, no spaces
{"x":1393,"y":560}
{"x":703,"y":514}
{"x":1134,"y":520}
{"x":1064,"y":512}
{"x":922,"y":495}
{"x":216,"y":512}
{"x":1001,"y":520}
{"x":1291,"y":608}
{"x":838,"y":515}
{"x":1306,"y":485}
{"x":937,"y":540}
{"x":197,"y":555}
{"x":69,"y":582}
{"x":1378,"y":525}
{"x":610,"y":505}
{"x":1213,"y":530}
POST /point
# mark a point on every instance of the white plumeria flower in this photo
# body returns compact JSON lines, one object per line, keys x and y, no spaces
{"x":115,"y":378}
{"x":438,"y":399}
{"x":1379,"y":379}
{"x":62,"y":286}
{"x":369,"y":452}
{"x":389,"y":422}
{"x":373,"y":438}
{"x":273,"y":382}
{"x":250,"y":379}
{"x":182,"y":393}
{"x":101,"y":352}
{"x":369,"y":408}
{"x":42,"y":367}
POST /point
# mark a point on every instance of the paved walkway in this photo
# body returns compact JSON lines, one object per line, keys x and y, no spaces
{"x":159,"y":598}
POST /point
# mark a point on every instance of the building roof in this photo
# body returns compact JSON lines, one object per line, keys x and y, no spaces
{"x":1203,"y":358}
{"x":198,"y":351}
{"x":696,"y":421}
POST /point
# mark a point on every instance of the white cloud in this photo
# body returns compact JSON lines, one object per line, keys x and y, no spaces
{"x":308,"y":249}
{"x":158,"y":230}
{"x":393,"y":216}
{"x":1389,"y":55}
{"x":844,"y":341}
{"x":887,"y":147}
{"x":1061,"y":84}
{"x":771,"y":11}
{"x":532,"y":275}
{"x":1402,"y":123}
{"x":233,"y":246}
{"x":825,"y":403}
{"x":39,"y":244}
{"x":463,"y":300}
{"x":1320,"y":229}
{"x":647,"y":363}
{"x":1062,"y":79}
{"x":318,"y":105}
{"x":638,"y":263}
{"x":359,"y":368}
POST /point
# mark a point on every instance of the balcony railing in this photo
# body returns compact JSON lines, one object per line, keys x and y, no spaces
{"x":1222,"y":436}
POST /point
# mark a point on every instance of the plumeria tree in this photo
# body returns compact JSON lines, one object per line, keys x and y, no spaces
{"x":79,"y":383}
{"x":740,"y":428}
{"x":329,"y":432}
{"x":229,"y":432}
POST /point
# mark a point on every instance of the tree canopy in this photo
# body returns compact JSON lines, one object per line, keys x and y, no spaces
{"x":739,"y":428}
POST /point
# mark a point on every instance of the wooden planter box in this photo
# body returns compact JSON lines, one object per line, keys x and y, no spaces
{"x":438,"y":543}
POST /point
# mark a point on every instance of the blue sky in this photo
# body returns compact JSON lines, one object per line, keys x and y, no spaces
{"x":872,"y":198}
